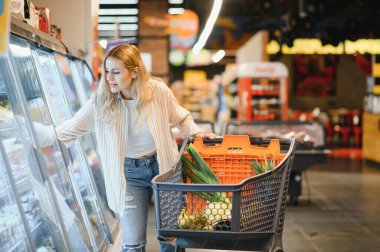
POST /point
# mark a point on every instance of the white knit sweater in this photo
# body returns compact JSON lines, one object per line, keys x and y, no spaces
{"x":162,"y":113}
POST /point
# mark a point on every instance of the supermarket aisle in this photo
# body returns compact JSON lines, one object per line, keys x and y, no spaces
{"x":343,"y":214}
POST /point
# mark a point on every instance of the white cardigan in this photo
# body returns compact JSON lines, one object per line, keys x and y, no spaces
{"x":162,"y":113}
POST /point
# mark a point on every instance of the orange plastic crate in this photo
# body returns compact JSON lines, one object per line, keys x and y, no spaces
{"x":231,"y":162}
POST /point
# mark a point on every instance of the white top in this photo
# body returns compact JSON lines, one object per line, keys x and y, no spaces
{"x":140,"y":140}
{"x":162,"y":113}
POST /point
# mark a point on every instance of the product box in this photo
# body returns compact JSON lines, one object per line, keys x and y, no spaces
{"x":44,"y":19}
{"x":33,"y":19}
{"x":17,"y":9}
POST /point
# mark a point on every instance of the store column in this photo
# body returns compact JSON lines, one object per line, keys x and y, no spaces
{"x":153,"y":39}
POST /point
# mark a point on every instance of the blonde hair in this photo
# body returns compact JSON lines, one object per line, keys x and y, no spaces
{"x":129,"y":56}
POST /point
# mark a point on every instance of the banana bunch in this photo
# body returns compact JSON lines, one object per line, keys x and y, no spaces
{"x":193,"y":221}
{"x":183,"y":220}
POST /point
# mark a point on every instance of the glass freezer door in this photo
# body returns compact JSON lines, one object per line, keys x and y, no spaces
{"x":72,"y":83}
{"x":43,"y":135}
{"x":13,"y":235}
{"x":60,"y":112}
{"x":29,"y":188}
{"x":85,"y":78}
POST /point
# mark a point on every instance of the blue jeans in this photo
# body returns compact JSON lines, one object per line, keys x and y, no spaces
{"x":138,"y":174}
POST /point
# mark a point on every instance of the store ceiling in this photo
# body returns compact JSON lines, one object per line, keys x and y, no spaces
{"x":330,"y":20}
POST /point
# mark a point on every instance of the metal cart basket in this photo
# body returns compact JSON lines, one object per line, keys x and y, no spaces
{"x":246,"y":212}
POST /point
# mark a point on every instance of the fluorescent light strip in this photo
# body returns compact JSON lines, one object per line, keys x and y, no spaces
{"x":120,"y":27}
{"x":127,"y":39}
{"x":131,"y":19}
{"x":112,"y":33}
{"x":131,"y":11}
{"x":118,"y":1}
{"x":175,"y":1}
{"x":175,"y":11}
{"x":106,"y":27}
{"x":218,"y":56}
{"x":128,"y":27}
{"x":209,"y":26}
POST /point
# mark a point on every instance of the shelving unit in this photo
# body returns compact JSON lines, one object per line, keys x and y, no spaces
{"x":197,"y":94}
{"x":262,"y":91}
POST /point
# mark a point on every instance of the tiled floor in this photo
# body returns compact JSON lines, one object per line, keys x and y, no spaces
{"x":340,"y":213}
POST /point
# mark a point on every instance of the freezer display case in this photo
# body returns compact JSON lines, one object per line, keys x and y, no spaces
{"x":78,"y":166}
{"x":28,"y":216}
{"x":310,"y":144}
{"x":41,"y":128}
{"x":77,"y":87}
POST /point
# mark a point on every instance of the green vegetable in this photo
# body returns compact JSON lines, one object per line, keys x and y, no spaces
{"x":202,"y":165}
{"x":263,"y":166}
{"x":200,"y":173}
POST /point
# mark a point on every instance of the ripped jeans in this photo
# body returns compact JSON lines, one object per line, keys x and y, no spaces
{"x":138,"y":173}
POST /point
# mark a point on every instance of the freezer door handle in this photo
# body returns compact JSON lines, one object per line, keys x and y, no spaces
{"x":65,"y":153}
{"x":41,"y":163}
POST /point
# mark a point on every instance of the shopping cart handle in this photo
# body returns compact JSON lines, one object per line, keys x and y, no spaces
{"x":209,"y":141}
{"x":252,"y":139}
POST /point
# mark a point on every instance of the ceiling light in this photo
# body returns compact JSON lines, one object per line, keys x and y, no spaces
{"x":218,"y":56}
{"x":106,"y":27}
{"x":131,"y":11}
{"x":111,"y":33}
{"x":128,"y":27}
{"x":176,"y":11}
{"x":175,"y":1}
{"x":209,"y":26}
{"x":118,"y":1}
{"x":130,"y":19}
{"x":267,"y":5}
{"x":103,"y":43}
{"x":120,"y":27}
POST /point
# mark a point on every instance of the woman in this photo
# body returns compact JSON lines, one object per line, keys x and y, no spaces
{"x":132,"y":115}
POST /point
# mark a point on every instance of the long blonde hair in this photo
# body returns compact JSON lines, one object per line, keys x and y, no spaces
{"x":130,"y":58}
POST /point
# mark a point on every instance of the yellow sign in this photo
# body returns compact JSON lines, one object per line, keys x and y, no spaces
{"x":376,"y":90}
{"x":195,"y":76}
{"x":4,"y":25}
{"x":314,"y":46}
{"x":376,"y":70}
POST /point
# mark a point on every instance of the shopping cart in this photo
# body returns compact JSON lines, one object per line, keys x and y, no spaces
{"x":253,"y":217}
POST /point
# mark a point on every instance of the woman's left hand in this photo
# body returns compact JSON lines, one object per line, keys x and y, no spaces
{"x":207,"y":135}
